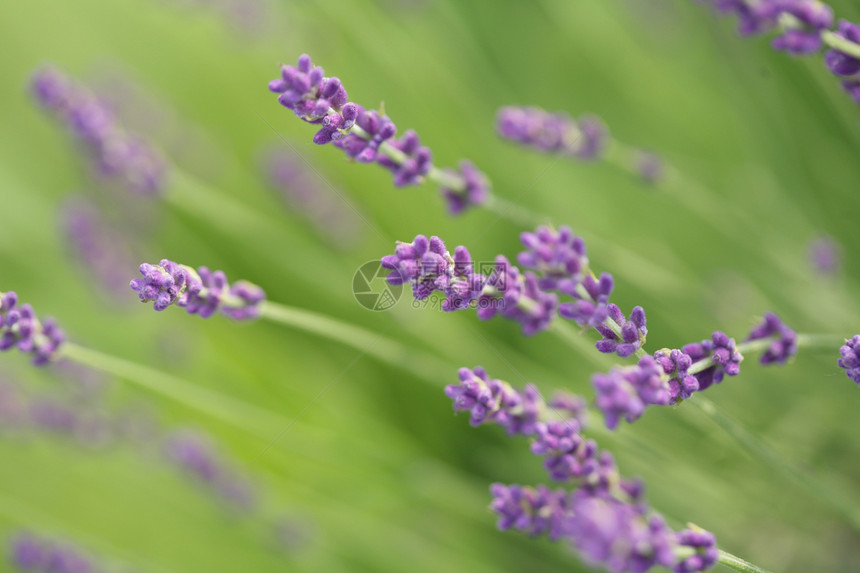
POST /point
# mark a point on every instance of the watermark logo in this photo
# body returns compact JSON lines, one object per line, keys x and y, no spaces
{"x":371,"y":290}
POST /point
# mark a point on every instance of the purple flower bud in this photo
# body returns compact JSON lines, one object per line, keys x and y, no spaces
{"x":812,"y":17}
{"x":618,"y":535}
{"x":535,"y":511}
{"x":706,"y":553}
{"x":825,"y":256}
{"x":476,"y":188}
{"x":552,"y":132}
{"x":675,"y":364}
{"x":727,"y":360}
{"x":840,"y":63}
{"x":593,"y":309}
{"x":625,"y":392}
{"x":416,"y":165}
{"x":378,"y":129}
{"x":850,"y":359}
{"x":114,"y":151}
{"x":559,"y":256}
{"x":784,"y":345}
{"x":201,"y":292}
{"x":633,"y":332}
{"x":20,"y":328}
{"x":491,"y":400}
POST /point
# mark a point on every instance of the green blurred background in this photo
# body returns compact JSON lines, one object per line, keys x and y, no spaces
{"x":375,"y":474}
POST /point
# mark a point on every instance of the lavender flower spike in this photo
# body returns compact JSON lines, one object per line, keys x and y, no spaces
{"x":784,"y":345}
{"x":115,"y":152}
{"x":367,"y":136}
{"x":633,"y":332}
{"x":31,"y":553}
{"x":850,"y":359}
{"x":552,"y":132}
{"x":705,"y":546}
{"x":20,"y":328}
{"x":200,"y":292}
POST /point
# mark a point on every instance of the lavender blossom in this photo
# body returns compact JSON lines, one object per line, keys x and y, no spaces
{"x":784,"y":345}
{"x":368,"y":136}
{"x":39,"y":555}
{"x":633,"y":332}
{"x":103,"y":251}
{"x":115,"y":152}
{"x":21,"y":329}
{"x":617,"y":535}
{"x":474,"y":190}
{"x":429,"y":267}
{"x":535,"y":511}
{"x":592,"y":308}
{"x":559,"y":257}
{"x":850,"y":359}
{"x":753,"y":18}
{"x":705,"y":546}
{"x":726,"y":359}
{"x":200,"y":292}
{"x":197,"y":456}
{"x":825,"y":254}
{"x":625,"y":392}
{"x":553,"y":132}
{"x":803,"y":21}
{"x":416,"y":163}
{"x":492,"y":401}
{"x":567,"y":454}
{"x":844,"y":65}
{"x":675,"y":364}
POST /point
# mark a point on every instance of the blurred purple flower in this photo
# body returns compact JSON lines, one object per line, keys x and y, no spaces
{"x":114,"y":151}
{"x":784,"y":345}
{"x":850,"y":358}
{"x":585,"y":138}
{"x":21,"y":329}
{"x":825,"y":254}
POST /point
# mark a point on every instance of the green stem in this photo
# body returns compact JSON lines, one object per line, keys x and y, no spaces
{"x":258,"y":421}
{"x":837,"y":42}
{"x":839,"y":500}
{"x":372,"y":344}
{"x":738,"y":564}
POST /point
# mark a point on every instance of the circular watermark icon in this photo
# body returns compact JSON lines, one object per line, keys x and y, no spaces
{"x":370,"y":288}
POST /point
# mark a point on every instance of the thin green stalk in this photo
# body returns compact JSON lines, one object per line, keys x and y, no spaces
{"x":738,"y":564}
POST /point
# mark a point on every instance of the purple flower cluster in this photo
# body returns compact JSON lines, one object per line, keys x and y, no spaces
{"x":850,"y":358}
{"x":553,"y":132}
{"x":845,"y":66}
{"x":784,"y":344}
{"x":200,"y":292}
{"x":722,"y":351}
{"x":705,"y":546}
{"x":802,"y":33}
{"x":21,"y":329}
{"x":567,"y":454}
{"x":195,"y":455}
{"x":632,"y":336}
{"x":368,"y":137}
{"x":536,"y":511}
{"x":559,"y":257}
{"x":675,"y":364}
{"x":492,"y":401}
{"x":625,"y":392}
{"x":36,"y":554}
{"x":116,"y":153}
{"x":619,"y":535}
{"x":427,"y":265}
